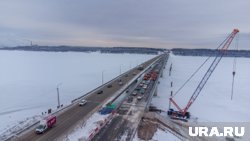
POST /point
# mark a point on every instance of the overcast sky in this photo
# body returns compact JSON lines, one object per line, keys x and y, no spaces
{"x":145,"y":23}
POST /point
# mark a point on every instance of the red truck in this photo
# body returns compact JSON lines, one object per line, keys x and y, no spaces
{"x":46,"y":124}
{"x":147,"y":76}
{"x":154,"y":75}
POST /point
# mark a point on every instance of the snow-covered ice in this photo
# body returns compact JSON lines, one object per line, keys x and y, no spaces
{"x":29,"y":79}
{"x":214,"y":102}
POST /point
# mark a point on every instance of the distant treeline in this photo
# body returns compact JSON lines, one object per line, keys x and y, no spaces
{"x":210,"y":52}
{"x":137,"y":50}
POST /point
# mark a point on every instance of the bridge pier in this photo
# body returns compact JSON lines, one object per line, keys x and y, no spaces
{"x":155,"y":93}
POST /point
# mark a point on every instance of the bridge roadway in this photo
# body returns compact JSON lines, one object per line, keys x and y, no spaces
{"x":124,"y":125}
{"x":68,"y":119}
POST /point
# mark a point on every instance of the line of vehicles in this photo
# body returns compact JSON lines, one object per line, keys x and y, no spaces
{"x":144,"y":85}
{"x":50,"y":121}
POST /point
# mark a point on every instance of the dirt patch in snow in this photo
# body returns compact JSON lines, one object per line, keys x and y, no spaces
{"x":146,"y":130}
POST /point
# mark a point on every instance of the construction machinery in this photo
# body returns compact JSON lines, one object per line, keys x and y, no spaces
{"x":183,"y":113}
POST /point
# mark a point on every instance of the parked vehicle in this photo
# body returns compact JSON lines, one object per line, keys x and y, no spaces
{"x":137,"y":88}
{"x":46,"y":124}
{"x":130,"y":99}
{"x":139,"y":98}
{"x":142,"y":91}
{"x":145,"y":86}
{"x":134,"y":93}
{"x":147,"y":82}
{"x":82,"y":102}
{"x":147,"y":76}
{"x":141,"y":84}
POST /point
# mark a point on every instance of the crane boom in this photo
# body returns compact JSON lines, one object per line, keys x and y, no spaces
{"x":207,"y":75}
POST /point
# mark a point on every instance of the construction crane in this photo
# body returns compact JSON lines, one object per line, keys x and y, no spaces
{"x":183,"y":113}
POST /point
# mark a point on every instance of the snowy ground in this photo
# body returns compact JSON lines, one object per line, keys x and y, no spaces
{"x":161,"y":135}
{"x":29,"y":79}
{"x":88,"y":127}
{"x":214,"y":103}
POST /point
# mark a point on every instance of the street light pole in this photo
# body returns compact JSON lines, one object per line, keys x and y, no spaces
{"x":102,"y":76}
{"x":58,"y":96}
{"x":120,"y":69}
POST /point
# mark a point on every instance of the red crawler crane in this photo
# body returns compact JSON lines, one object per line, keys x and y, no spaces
{"x":182,"y":113}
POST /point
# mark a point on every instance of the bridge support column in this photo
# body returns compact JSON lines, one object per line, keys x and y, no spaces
{"x":155,"y":93}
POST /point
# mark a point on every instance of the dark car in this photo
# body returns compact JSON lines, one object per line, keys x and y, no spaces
{"x":134,"y":93}
{"x":109,"y":86}
{"x":130,"y":99}
{"x":100,"y":92}
{"x":142,"y":91}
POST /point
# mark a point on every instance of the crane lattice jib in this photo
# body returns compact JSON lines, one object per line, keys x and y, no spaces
{"x":211,"y":69}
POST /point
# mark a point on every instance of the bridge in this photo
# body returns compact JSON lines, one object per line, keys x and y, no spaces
{"x":128,"y":118}
{"x":130,"y":112}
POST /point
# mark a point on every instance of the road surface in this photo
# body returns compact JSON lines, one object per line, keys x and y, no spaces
{"x":67,"y":120}
{"x":124,"y":125}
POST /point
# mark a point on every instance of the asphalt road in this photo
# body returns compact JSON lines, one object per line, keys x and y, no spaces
{"x":71,"y":117}
{"x":121,"y":128}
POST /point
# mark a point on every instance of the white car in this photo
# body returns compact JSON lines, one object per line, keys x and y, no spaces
{"x":134,"y":93}
{"x":120,"y":83}
{"x":147,"y":82}
{"x":139,"y":97}
{"x":145,"y":86}
{"x":82,"y":102}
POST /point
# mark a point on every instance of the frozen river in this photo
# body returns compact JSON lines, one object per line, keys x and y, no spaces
{"x":28,"y":80}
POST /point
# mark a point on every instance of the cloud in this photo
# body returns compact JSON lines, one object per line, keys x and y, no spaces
{"x":149,"y":23}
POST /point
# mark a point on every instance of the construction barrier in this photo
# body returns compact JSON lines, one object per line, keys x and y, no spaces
{"x":100,"y":125}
